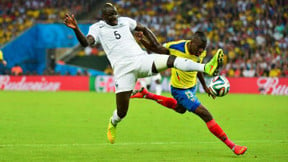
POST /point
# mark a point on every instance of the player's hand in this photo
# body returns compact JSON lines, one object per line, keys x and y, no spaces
{"x":139,"y":35}
{"x":4,"y":62}
{"x":207,"y":90}
{"x":70,"y":21}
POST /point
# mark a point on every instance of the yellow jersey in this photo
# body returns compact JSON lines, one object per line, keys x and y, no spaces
{"x":179,"y":78}
{"x":1,"y":55}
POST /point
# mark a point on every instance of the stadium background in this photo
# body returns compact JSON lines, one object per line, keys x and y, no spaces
{"x":252,"y":33}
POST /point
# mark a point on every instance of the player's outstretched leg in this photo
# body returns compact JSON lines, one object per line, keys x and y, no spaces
{"x":213,"y":65}
{"x":168,"y":102}
{"x":139,"y":93}
{"x":218,"y":132}
{"x":111,"y":131}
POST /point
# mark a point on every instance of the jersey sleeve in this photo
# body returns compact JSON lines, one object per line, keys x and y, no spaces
{"x":132,"y":23}
{"x":166,"y":45}
{"x":93,"y":31}
{"x":203,"y":55}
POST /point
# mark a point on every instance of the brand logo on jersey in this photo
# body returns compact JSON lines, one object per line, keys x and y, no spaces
{"x":178,"y":77}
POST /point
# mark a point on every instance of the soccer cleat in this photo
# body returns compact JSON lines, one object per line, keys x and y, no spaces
{"x":212,"y":67}
{"x":239,"y":150}
{"x":139,"y":93}
{"x":111,"y":132}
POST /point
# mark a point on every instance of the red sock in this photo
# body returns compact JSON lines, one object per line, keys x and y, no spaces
{"x":165,"y":101}
{"x":218,"y":132}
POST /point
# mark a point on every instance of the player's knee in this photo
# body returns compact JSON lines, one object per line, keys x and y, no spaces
{"x":170,"y":61}
{"x":180,"y":109}
{"x":160,"y":63}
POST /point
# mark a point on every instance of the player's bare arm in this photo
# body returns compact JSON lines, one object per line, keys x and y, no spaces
{"x":152,"y":44}
{"x":152,"y":48}
{"x":71,"y":22}
{"x":202,"y":81}
{"x":140,"y":37}
{"x":3,"y":62}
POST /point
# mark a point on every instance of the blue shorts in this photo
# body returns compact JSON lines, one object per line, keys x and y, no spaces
{"x":186,"y":97}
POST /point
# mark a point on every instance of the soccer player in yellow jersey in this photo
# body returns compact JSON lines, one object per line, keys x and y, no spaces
{"x":183,"y":84}
{"x":2,"y":59}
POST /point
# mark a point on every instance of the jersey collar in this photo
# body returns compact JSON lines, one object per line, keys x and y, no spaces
{"x":186,"y":47}
{"x":120,"y":24}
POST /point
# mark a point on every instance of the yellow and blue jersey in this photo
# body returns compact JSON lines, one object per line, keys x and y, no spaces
{"x":179,"y":78}
{"x":1,"y":55}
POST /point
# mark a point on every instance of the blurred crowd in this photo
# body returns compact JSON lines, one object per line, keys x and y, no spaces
{"x":18,"y":15}
{"x":253,"y":33}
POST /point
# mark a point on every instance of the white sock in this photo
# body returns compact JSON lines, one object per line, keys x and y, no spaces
{"x":143,"y":83}
{"x":115,"y":118}
{"x":188,"y":65}
{"x":158,"y":89}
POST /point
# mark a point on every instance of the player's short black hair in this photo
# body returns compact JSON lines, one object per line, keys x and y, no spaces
{"x":107,"y":6}
{"x":199,"y":35}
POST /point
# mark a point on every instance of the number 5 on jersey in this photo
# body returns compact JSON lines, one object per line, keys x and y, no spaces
{"x":117,"y":35}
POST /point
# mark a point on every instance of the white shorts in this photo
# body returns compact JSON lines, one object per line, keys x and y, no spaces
{"x":127,"y":73}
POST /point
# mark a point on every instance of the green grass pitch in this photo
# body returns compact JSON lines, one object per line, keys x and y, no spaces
{"x":71,"y":126}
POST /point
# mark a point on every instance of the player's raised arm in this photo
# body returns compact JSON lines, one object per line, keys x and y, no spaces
{"x":71,"y":22}
{"x":152,"y":44}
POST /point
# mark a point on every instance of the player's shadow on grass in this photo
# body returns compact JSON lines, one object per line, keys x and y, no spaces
{"x":177,"y":152}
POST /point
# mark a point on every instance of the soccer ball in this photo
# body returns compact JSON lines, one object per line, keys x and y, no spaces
{"x":219,"y":86}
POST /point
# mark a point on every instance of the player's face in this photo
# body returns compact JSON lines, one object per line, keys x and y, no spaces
{"x":196,"y":48}
{"x":110,"y":16}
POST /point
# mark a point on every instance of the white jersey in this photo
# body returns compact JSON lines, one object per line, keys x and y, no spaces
{"x":117,"y":41}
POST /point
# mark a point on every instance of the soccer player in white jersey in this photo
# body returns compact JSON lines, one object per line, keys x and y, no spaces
{"x":128,"y":60}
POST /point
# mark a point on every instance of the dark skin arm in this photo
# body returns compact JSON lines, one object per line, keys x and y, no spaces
{"x":151,"y":44}
{"x":71,"y":22}
{"x":202,"y":81}
{"x":3,"y":62}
